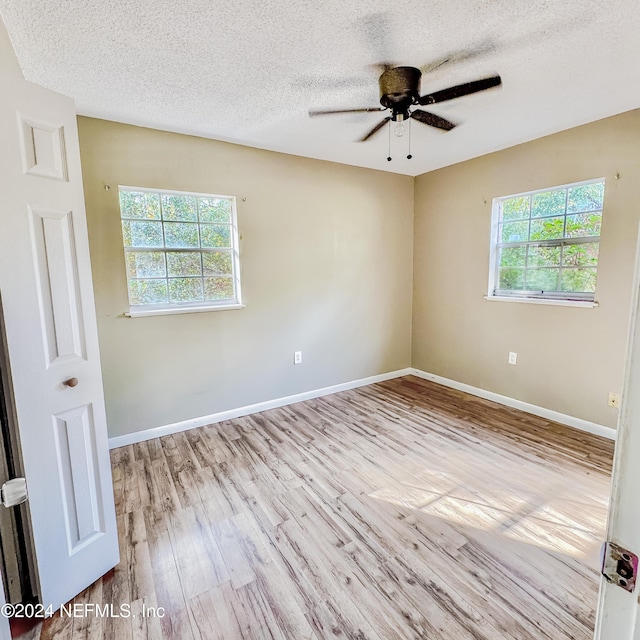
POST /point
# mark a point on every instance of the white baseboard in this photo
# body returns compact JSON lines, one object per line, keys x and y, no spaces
{"x":562,"y":418}
{"x":176,"y":427}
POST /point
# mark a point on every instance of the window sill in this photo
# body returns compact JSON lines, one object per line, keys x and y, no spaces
{"x":139,"y":313}
{"x":558,"y":303}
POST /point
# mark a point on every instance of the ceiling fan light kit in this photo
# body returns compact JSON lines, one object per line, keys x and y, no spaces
{"x":400,"y":94}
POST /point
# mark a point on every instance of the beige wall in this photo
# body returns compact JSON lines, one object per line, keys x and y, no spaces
{"x":568,"y":358}
{"x":327,"y":269}
{"x":326,"y":253}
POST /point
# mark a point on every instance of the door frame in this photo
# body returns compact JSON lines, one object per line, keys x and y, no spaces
{"x":617,"y":611}
{"x":19,"y":554}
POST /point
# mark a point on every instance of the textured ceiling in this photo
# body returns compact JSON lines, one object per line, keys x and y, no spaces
{"x":248,"y":72}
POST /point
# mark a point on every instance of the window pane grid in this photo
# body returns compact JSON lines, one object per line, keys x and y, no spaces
{"x":546,"y":242}
{"x":537,"y":243}
{"x":554,"y":215}
{"x":180,"y":248}
{"x":201,"y":249}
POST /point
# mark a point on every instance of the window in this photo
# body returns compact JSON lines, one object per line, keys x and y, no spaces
{"x":544,"y":244}
{"x":181,"y":250}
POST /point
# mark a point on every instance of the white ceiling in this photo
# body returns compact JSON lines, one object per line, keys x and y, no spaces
{"x":248,"y":72}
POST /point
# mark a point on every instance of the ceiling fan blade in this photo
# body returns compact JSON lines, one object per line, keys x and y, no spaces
{"x":381,"y":67}
{"x":325,"y":112}
{"x":323,"y":83}
{"x":460,"y":90}
{"x":377,"y":30}
{"x":460,"y":55}
{"x":432,"y":120}
{"x":375,"y":129}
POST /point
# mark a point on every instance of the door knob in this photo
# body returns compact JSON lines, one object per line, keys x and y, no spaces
{"x":71,"y":382}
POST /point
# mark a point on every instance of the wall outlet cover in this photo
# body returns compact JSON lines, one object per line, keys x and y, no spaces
{"x":614,"y":400}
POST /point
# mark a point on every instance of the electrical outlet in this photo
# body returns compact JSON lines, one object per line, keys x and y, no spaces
{"x":614,"y":400}
{"x":513,"y":357}
{"x":297,"y":357}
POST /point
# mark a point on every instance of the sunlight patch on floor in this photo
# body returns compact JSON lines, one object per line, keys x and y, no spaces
{"x":520,"y":502}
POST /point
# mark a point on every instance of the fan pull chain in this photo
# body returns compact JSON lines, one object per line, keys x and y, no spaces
{"x":389,"y":156}
{"x":409,"y":156}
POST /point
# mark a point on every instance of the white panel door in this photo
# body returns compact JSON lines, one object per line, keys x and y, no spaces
{"x":618,"y":610}
{"x":47,"y":299}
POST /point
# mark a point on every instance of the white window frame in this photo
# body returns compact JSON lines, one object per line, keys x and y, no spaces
{"x":136,"y":310}
{"x":547,"y":297}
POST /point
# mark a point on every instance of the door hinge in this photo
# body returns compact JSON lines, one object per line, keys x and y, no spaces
{"x":619,"y":566}
{"x":13,"y":492}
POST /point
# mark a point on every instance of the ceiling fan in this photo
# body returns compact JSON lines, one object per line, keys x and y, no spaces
{"x":400,"y":93}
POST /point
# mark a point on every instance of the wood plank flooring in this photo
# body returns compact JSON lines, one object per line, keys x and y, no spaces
{"x":402,"y":510}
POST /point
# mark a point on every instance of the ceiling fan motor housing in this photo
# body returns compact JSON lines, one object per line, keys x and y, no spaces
{"x":399,"y":88}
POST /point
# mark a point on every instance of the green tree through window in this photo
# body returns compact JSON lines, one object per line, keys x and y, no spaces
{"x":546,"y":243}
{"x":181,"y":249}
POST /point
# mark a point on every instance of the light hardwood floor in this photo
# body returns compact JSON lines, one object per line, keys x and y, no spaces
{"x":396,"y":511}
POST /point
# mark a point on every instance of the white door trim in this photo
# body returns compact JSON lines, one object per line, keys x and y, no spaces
{"x":618,"y":609}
